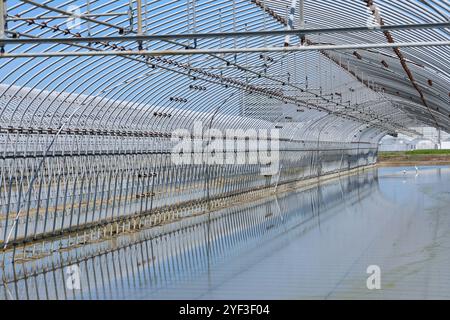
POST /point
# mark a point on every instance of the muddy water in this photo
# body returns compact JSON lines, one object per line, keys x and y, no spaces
{"x":313,"y":244}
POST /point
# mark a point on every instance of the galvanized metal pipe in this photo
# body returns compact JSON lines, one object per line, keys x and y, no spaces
{"x":2,"y":19}
{"x":227,"y":50}
{"x":212,"y":35}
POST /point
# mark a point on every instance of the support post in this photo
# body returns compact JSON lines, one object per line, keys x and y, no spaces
{"x":302,"y":20}
{"x":88,"y":9}
{"x":291,"y":18}
{"x":290,"y":22}
{"x":302,"y":14}
{"x":2,"y":24}
{"x":139,"y":22}
{"x":439,"y":138}
{"x":139,"y":17}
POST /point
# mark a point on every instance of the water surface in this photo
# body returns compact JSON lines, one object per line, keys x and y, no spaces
{"x":313,"y":244}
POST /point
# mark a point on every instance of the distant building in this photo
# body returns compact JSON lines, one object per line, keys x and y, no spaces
{"x":395,"y":144}
{"x":429,"y":139}
{"x":433,"y":135}
{"x":423,"y":144}
{"x":445,"y":144}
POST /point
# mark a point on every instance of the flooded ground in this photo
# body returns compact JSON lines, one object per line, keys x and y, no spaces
{"x":313,"y":244}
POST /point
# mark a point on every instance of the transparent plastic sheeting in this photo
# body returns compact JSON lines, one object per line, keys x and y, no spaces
{"x":87,"y":141}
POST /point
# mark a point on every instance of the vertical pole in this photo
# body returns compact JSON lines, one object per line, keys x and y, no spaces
{"x":139,"y":22}
{"x":220,"y":28}
{"x":439,"y":138}
{"x":88,"y":11}
{"x":302,"y":20}
{"x":234,"y":29}
{"x":302,"y":14}
{"x":139,"y":17}
{"x":146,"y":16}
{"x":2,"y":23}
{"x":264,"y":26}
{"x":290,"y":22}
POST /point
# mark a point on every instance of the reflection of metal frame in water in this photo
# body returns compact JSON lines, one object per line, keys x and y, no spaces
{"x":162,"y":257}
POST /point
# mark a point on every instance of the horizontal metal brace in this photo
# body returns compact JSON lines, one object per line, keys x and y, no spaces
{"x":228,"y":34}
{"x":63,"y":16}
{"x":223,"y":50}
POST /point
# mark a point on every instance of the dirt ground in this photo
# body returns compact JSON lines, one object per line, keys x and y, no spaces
{"x":411,"y":160}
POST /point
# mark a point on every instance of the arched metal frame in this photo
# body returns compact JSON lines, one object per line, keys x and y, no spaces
{"x":85,"y":138}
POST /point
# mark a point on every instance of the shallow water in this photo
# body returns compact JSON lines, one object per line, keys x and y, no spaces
{"x":313,"y":244}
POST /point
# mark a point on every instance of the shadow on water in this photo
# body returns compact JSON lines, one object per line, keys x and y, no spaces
{"x":315,"y":243}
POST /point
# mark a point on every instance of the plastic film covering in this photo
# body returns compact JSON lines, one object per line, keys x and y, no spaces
{"x":87,"y":140}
